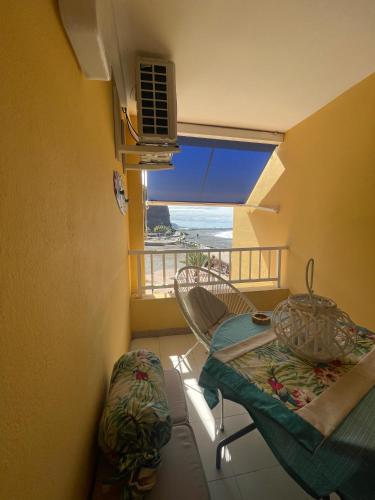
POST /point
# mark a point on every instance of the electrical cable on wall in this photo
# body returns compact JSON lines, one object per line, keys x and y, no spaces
{"x":132,"y":130}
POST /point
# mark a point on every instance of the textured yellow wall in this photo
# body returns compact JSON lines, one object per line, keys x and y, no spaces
{"x":327,"y":201}
{"x":151,"y":315}
{"x":64,"y":277}
{"x":136,"y":223}
{"x":136,"y":215}
{"x":136,"y":212}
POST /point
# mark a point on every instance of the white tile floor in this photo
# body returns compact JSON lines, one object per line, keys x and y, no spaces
{"x":249,"y":469}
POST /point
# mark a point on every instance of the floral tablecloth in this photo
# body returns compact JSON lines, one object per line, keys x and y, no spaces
{"x":276,"y":387}
{"x":274,"y":369}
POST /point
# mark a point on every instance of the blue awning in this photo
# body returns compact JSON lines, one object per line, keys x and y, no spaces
{"x":210,"y":171}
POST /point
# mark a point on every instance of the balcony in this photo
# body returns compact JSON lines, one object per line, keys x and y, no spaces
{"x":260,"y":272}
{"x":243,"y":267}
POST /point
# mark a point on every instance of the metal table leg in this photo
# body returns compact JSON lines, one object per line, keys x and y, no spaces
{"x":230,"y":439}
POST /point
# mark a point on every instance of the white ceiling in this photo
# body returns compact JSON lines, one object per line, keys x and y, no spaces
{"x":265,"y":64}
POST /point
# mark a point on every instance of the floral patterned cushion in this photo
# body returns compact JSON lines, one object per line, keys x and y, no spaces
{"x":135,"y":423}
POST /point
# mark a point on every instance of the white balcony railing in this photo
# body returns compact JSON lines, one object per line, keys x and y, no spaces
{"x":156,"y":268}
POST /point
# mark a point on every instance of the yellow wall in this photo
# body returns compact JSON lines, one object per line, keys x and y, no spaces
{"x":64,"y":284}
{"x":150,"y":315}
{"x":327,"y":201}
{"x":136,"y":213}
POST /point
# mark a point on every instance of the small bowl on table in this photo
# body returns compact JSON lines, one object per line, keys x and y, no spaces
{"x":260,"y":318}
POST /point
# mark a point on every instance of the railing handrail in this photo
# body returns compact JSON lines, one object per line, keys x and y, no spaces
{"x":253,"y":272}
{"x":195,"y":250}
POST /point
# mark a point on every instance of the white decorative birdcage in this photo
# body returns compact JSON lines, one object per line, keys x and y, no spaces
{"x":313,"y":326}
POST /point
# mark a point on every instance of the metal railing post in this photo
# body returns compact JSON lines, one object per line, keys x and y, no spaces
{"x":279,"y":268}
{"x":139,"y":275}
{"x":163,"y":261}
{"x":240,"y":267}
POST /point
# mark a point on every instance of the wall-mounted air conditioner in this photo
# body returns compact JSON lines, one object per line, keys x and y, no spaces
{"x":156,"y":101}
{"x":156,"y":134}
{"x":92,"y":32}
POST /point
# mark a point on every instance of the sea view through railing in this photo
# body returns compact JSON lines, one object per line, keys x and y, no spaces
{"x":156,"y":268}
{"x":200,"y":237}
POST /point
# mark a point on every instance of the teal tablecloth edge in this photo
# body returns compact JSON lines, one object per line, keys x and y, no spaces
{"x":235,"y":330}
{"x":217,"y":375}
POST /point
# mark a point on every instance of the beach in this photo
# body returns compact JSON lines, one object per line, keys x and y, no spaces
{"x":206,"y":238}
{"x":203,"y":227}
{"x":211,"y":238}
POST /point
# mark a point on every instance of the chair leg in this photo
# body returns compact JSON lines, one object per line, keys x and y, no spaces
{"x":222,"y":414}
{"x":184,"y":356}
{"x":230,"y":439}
{"x":191,"y":349}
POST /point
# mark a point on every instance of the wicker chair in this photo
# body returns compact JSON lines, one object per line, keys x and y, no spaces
{"x":189,"y":277}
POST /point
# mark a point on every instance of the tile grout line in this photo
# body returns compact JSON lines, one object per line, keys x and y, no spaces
{"x":258,"y":470}
{"x":235,"y":476}
{"x":236,"y":483}
{"x":231,"y":476}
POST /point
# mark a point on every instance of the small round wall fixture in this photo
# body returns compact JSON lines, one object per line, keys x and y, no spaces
{"x":313,"y":327}
{"x":118,"y":187}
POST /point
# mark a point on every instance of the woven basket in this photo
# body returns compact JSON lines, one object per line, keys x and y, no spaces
{"x":313,"y":326}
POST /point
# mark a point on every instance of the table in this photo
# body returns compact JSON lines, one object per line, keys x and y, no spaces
{"x":236,"y":329}
{"x":342,"y":463}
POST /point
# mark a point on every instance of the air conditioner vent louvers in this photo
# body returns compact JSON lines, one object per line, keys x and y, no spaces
{"x":156,"y":101}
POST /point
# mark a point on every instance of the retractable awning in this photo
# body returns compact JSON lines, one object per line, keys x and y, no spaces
{"x":210,"y":171}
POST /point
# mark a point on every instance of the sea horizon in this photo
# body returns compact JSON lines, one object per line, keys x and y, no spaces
{"x":221,"y":228}
{"x":198,"y":218}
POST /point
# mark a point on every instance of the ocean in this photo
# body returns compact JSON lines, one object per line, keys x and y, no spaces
{"x":209,"y":226}
{"x":201,"y":217}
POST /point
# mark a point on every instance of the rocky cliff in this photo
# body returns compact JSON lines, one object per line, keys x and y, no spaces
{"x":157,"y":216}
